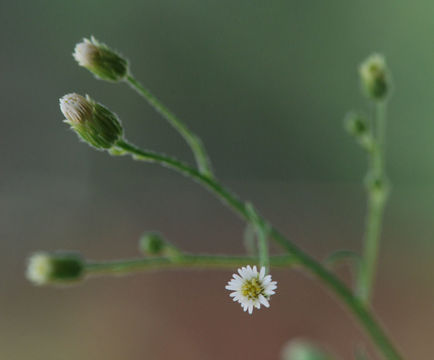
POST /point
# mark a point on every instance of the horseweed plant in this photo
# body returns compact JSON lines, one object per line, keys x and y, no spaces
{"x":251,"y":285}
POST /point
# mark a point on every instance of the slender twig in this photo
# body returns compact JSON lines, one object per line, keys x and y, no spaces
{"x":377,"y":189}
{"x":356,"y":307}
{"x":120,"y":267}
{"x":192,"y":140}
{"x":262,"y":233}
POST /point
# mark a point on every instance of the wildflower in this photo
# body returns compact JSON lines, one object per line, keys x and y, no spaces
{"x":43,"y":268}
{"x":93,"y":122}
{"x":251,"y":288}
{"x":100,"y":60}
{"x":374,"y":77}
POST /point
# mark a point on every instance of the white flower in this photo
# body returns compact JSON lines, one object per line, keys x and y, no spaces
{"x":85,"y":52}
{"x":39,"y":269}
{"x":76,"y":108}
{"x":251,"y":288}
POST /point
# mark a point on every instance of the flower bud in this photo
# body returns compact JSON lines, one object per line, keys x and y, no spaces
{"x":93,"y":122}
{"x":375,"y":77}
{"x":153,"y":243}
{"x":100,"y":60}
{"x":355,"y":125}
{"x":358,"y":127}
{"x":43,"y":268}
{"x":303,"y":350}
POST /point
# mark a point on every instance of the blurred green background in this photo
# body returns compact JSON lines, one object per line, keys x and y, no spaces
{"x":266,"y":85}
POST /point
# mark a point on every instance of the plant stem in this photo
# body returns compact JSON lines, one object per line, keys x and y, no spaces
{"x":264,"y":257}
{"x":192,"y":140}
{"x":365,"y":317}
{"x":184,"y":260}
{"x":262,"y":233}
{"x":377,"y":189}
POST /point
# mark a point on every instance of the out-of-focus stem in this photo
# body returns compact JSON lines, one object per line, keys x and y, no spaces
{"x":119,"y":267}
{"x":192,"y":140}
{"x":366,"y":319}
{"x":377,"y":190}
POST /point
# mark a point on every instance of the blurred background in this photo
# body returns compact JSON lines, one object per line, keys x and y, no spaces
{"x":266,"y":85}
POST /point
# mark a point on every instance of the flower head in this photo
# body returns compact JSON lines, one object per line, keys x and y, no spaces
{"x":251,"y":288}
{"x":375,"y":77}
{"x":39,"y":268}
{"x":100,"y":60}
{"x":93,"y":122}
{"x":44,"y":268}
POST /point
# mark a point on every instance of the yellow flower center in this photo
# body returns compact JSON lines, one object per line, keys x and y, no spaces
{"x":251,"y":289}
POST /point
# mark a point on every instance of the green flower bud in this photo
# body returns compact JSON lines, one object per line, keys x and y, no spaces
{"x":44,"y":269}
{"x":152,"y":243}
{"x":355,"y":125}
{"x":93,"y":122}
{"x":358,"y":127}
{"x":100,"y":60}
{"x":375,"y":77}
{"x":303,"y":350}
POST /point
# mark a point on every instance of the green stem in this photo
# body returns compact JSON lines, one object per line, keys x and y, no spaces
{"x":192,"y":140}
{"x":377,"y":188}
{"x":185,"y":261}
{"x":264,"y":258}
{"x":365,"y":317}
{"x":262,"y":233}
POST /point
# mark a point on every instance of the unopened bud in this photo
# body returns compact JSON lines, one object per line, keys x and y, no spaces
{"x":153,"y":243}
{"x":44,"y":269}
{"x":358,"y":127}
{"x":303,"y":350}
{"x":355,"y":124}
{"x":375,"y":77}
{"x":93,"y":122}
{"x":100,"y":60}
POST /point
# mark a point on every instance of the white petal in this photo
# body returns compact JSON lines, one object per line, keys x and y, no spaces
{"x":264,"y":301}
{"x":262,"y":273}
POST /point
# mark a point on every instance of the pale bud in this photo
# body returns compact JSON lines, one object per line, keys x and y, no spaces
{"x":375,"y":77}
{"x":303,"y":350}
{"x":93,"y":122}
{"x":100,"y":60}
{"x":44,"y":269}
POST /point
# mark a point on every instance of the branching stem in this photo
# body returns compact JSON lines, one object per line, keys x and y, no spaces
{"x":192,"y":140}
{"x":354,"y":304}
{"x":119,"y":267}
{"x":377,"y":191}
